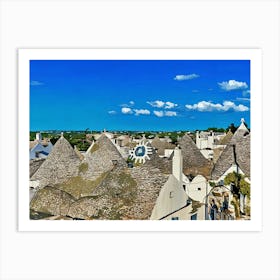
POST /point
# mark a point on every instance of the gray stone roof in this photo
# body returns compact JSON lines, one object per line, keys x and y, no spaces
{"x":241,"y":140}
{"x":124,"y":194}
{"x":163,"y":164}
{"x":34,"y":165}
{"x":100,"y":158}
{"x":225,"y":140}
{"x":193,"y":161}
{"x":52,"y":201}
{"x":161,"y":145}
{"x":61,"y":164}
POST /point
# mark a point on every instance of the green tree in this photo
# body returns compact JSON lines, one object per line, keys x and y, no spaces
{"x":241,"y":186}
{"x":232,"y":127}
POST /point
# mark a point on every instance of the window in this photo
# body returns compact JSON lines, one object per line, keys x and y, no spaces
{"x":194,"y":217}
{"x":184,"y":187}
{"x":175,"y":218}
{"x":199,"y":189}
{"x":170,"y":194}
{"x":189,"y":201}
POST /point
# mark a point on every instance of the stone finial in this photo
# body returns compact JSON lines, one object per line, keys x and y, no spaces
{"x":61,"y":134}
{"x":242,"y":120}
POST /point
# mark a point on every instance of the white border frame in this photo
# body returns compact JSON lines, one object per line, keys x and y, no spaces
{"x":25,"y":55}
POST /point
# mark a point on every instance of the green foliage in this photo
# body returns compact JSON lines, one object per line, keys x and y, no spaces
{"x":239,"y":181}
{"x":82,"y":146}
{"x":245,"y":187}
{"x":32,"y":136}
{"x":215,"y":129}
{"x":232,"y":127}
{"x":54,"y":139}
{"x":212,"y":184}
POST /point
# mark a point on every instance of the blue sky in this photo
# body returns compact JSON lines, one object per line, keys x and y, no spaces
{"x":138,"y":94}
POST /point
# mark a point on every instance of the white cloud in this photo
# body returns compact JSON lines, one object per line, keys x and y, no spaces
{"x":170,"y":113}
{"x":126,"y":110}
{"x":165,"y":114}
{"x":232,"y":85}
{"x":112,"y":112}
{"x":158,"y":113}
{"x":206,"y":106}
{"x":169,"y":105}
{"x":141,"y":112}
{"x":36,"y":83}
{"x":157,"y":103}
{"x":185,"y":77}
{"x":131,"y":103}
{"x":162,"y":104}
{"x":243,"y":99}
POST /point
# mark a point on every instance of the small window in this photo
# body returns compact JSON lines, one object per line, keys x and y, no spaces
{"x":184,"y":187}
{"x":170,"y":194}
{"x":199,"y":189}
{"x":194,"y":217}
{"x":175,"y":218}
{"x":189,"y":201}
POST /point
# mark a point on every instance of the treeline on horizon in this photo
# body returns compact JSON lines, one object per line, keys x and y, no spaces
{"x":45,"y":133}
{"x":82,"y":139}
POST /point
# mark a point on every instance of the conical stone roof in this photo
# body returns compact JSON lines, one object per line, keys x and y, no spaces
{"x":161,"y":145}
{"x":52,"y":201}
{"x":225,"y":140}
{"x":240,"y":142}
{"x":193,"y":161}
{"x":61,"y":164}
{"x":101,"y":157}
{"x":163,"y":164}
{"x":125,"y":193}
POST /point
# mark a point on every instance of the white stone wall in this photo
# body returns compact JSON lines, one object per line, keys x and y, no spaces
{"x":177,"y":165}
{"x":171,"y":198}
{"x":207,"y":153}
{"x":168,"y":152}
{"x":198,"y":188}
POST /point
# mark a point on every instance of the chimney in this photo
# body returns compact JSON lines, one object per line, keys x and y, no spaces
{"x":197,"y":142}
{"x":39,"y":136}
{"x":177,"y":164}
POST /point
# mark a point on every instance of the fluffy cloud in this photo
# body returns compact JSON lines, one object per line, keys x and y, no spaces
{"x":112,"y":112}
{"x":36,"y":83}
{"x":205,"y":106}
{"x":141,"y":112}
{"x":232,"y":85}
{"x":165,"y":114}
{"x":170,"y":113}
{"x":126,"y":110}
{"x":129,"y":104}
{"x":185,"y":77}
{"x":162,"y":104}
{"x":169,"y":105}
{"x":157,"y":103}
{"x":158,"y":113}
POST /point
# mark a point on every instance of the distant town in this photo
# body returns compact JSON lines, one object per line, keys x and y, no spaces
{"x":140,"y":175}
